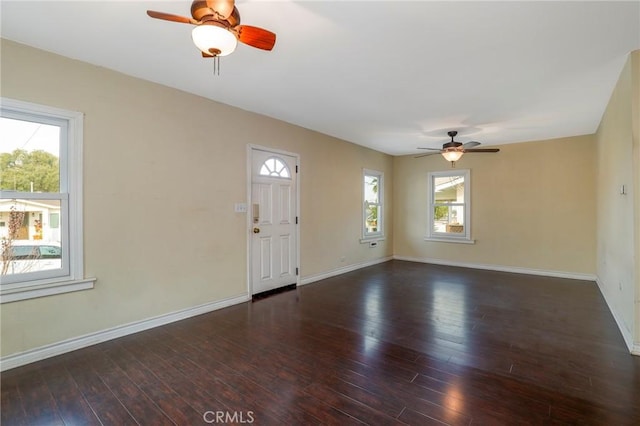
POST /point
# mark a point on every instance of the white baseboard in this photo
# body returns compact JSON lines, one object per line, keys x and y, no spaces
{"x":634,"y":348}
{"x":500,"y":268}
{"x":59,"y":348}
{"x":340,"y":271}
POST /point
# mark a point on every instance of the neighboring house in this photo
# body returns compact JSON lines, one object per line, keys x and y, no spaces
{"x":41,"y":220}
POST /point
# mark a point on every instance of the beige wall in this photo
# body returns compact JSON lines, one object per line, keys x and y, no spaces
{"x":618,"y":216}
{"x":533,"y":206}
{"x":162,"y":171}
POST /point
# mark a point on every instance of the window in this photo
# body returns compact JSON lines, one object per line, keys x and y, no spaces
{"x":449,"y":206}
{"x":373,"y":207}
{"x":40,"y":201}
{"x":275,"y":167}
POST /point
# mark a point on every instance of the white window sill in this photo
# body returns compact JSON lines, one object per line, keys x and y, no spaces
{"x":367,"y":240}
{"x":46,"y":289}
{"x":450,"y":240}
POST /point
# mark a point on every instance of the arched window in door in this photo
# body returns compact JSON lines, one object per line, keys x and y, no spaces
{"x":275,"y":167}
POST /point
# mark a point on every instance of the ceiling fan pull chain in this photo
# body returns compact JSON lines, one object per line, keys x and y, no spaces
{"x":216,"y":65}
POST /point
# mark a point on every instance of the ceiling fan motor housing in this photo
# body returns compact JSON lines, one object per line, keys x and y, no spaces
{"x":202,"y":8}
{"x":451,"y":144}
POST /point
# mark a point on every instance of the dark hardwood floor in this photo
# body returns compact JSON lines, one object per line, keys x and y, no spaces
{"x":396,"y":343}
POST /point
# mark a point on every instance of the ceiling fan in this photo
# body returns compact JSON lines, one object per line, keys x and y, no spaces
{"x":453,"y":151}
{"x":218,"y":28}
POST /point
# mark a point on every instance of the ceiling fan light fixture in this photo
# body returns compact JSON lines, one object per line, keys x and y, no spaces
{"x":214,"y":40}
{"x":452,"y":155}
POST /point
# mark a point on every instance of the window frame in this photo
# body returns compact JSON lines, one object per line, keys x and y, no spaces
{"x":451,"y":237}
{"x":71,"y":276}
{"x":378,"y":235}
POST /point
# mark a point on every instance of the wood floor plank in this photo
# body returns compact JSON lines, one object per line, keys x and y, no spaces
{"x":414,"y":418}
{"x":11,"y":408}
{"x":188,"y":377}
{"x":171,"y":403}
{"x":103,"y":402}
{"x":72,"y":407}
{"x":391,"y":344}
{"x":387,"y":404}
{"x":341,"y":401}
{"x":39,"y":406}
{"x":139,"y":405}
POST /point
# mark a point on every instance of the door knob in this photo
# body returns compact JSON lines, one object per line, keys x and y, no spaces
{"x":256,"y":230}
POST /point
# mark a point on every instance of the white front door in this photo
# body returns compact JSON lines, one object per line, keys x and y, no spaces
{"x":273,"y":213}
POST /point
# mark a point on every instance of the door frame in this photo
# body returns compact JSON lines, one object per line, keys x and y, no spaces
{"x":249,"y":223}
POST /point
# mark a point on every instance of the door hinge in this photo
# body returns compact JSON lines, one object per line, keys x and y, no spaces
{"x":296,"y":220}
{"x":296,"y":168}
{"x":296,"y":272}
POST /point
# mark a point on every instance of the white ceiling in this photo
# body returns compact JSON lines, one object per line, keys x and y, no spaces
{"x":389,"y":75}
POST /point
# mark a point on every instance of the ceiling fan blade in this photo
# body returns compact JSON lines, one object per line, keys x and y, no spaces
{"x":172,"y":18}
{"x":470,"y":144}
{"x":256,"y":37}
{"x":482,"y":150}
{"x":424,"y":155}
{"x":224,"y":8}
{"x":432,"y":149}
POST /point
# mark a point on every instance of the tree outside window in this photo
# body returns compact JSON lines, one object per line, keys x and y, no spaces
{"x":40,"y":201}
{"x":373,"y":204}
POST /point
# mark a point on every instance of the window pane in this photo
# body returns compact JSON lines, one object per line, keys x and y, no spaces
{"x":449,"y":189}
{"x":274,"y":167}
{"x":448,"y":219}
{"x":29,"y":156}
{"x":371,"y":218}
{"x":54,"y":220}
{"x":371,"y":189}
{"x":28,"y":241}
